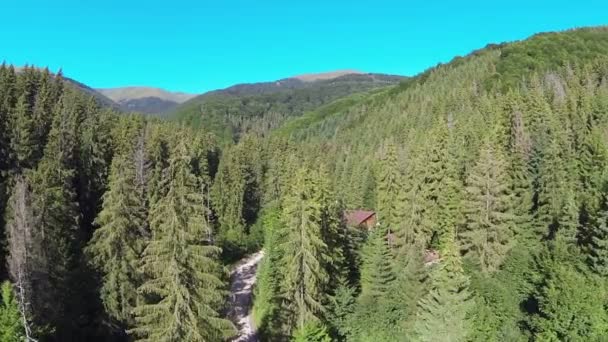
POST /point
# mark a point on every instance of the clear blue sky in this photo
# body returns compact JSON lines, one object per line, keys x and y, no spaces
{"x":198,"y":45}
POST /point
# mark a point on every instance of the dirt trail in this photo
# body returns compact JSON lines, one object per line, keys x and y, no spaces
{"x":242,"y":279}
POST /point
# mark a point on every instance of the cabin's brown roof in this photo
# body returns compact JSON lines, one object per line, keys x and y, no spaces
{"x":357,"y":217}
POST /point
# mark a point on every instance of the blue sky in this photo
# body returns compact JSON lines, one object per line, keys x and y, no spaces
{"x":198,"y":45}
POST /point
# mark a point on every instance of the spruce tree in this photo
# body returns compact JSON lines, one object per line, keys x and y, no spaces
{"x":116,"y":245}
{"x":57,"y":221}
{"x":554,"y":181}
{"x":389,"y":185}
{"x":267,"y":290}
{"x":228,"y":195}
{"x":183,"y":285}
{"x":304,"y":253}
{"x":377,"y":272}
{"x":46,"y":98}
{"x":597,"y":248}
{"x":11,"y":324}
{"x":7,"y":94}
{"x":489,"y":232}
{"x":442,"y":312}
{"x":23,"y":143}
{"x":570,"y":302}
{"x":312,"y":332}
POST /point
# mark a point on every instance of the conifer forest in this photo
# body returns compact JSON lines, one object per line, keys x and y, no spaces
{"x":486,"y":177}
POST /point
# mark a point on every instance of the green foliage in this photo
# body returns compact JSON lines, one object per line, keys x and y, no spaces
{"x":311,"y":332}
{"x":261,"y":107}
{"x":571,"y":304}
{"x":489,"y":232}
{"x":377,"y":273}
{"x":304,"y":253}
{"x":443,"y":311}
{"x":389,"y":185}
{"x":116,"y":245}
{"x":183,"y":288}
{"x":160,"y":207}
{"x":11,"y":324}
{"x":549,"y":51}
{"x":267,"y":292}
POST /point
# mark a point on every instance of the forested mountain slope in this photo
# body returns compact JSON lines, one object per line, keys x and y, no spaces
{"x":497,"y":161}
{"x":261,"y":107}
{"x":488,"y":176}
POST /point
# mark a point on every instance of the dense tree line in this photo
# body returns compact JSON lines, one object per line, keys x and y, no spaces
{"x":107,"y":220}
{"x":506,"y":181}
{"x":488,"y":180}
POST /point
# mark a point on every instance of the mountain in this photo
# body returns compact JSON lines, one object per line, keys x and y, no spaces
{"x":145,"y":100}
{"x":496,"y":160}
{"x":499,"y":67}
{"x":326,"y":75}
{"x":263,"y":106}
{"x":100,"y":97}
{"x":486,"y":176}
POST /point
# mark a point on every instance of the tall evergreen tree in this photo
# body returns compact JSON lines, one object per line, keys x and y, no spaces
{"x":184,"y":286}
{"x":489,"y":232}
{"x":389,"y":185}
{"x":304,"y":252}
{"x":11,"y":325}
{"x":442,"y":313}
{"x":377,"y":272}
{"x":23,"y":143}
{"x":570,"y":303}
{"x":57,"y":221}
{"x":597,"y":246}
{"x":116,"y":245}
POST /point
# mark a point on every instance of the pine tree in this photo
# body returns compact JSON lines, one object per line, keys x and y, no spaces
{"x":23,"y":143}
{"x":116,"y":245}
{"x":93,"y":159}
{"x":519,"y":172}
{"x":11,"y":325}
{"x":409,"y":285}
{"x":312,"y":332}
{"x":377,"y":273}
{"x":442,"y":312}
{"x":592,"y":165}
{"x":414,"y":201}
{"x":489,"y":233}
{"x":554,"y":181}
{"x":341,"y":306}
{"x":389,"y":185}
{"x":597,"y":249}
{"x":42,"y":118}
{"x":228,"y":195}
{"x":183,"y":285}
{"x":57,"y":221}
{"x":570,"y":303}
{"x":7,"y":95}
{"x":266,"y":307}
{"x":304,"y":253}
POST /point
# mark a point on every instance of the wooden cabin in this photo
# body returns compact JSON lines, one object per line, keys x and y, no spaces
{"x":360,"y":219}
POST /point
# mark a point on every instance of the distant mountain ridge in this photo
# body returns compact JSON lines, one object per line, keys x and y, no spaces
{"x":146,"y":100}
{"x":326,"y":75}
{"x":263,"y":106}
{"x":130,"y":93}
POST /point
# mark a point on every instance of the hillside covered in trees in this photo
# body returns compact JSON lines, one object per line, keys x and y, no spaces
{"x":120,"y":227}
{"x":262,"y":107}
